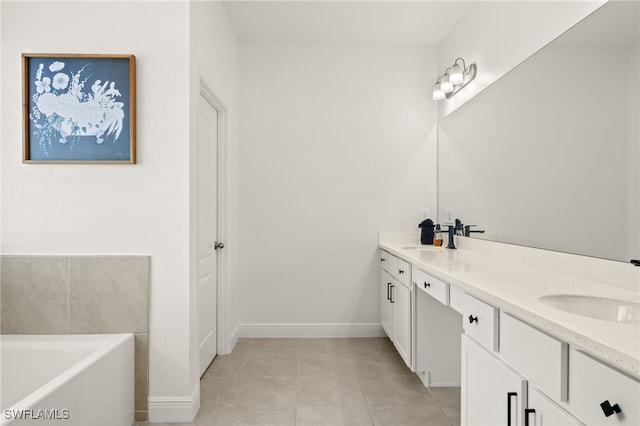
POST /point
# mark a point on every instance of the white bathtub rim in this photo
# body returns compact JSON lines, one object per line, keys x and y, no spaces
{"x":38,"y":394}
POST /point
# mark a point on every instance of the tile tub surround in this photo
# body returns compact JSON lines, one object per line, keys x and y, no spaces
{"x":80,"y":295}
{"x":323,"y":382}
{"x":490,"y":272}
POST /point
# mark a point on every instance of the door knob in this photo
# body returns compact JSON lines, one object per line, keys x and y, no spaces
{"x":218,"y":245}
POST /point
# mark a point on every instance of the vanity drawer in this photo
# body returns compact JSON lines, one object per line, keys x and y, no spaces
{"x":403,"y":272}
{"x":384,"y":260}
{"x":480,"y":322}
{"x":456,"y":298}
{"x":437,"y":289}
{"x":592,"y":383}
{"x":542,"y":359}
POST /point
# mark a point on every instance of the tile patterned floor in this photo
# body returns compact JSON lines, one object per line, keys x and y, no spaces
{"x":321,"y":382}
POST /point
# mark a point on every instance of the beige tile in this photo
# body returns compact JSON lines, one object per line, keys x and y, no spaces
{"x":330,"y":390}
{"x":333,"y":416}
{"x":248,"y":416}
{"x":141,"y":416}
{"x":142,"y":371}
{"x":34,"y":294}
{"x":408,"y":415}
{"x":385,"y":390}
{"x":449,"y":400}
{"x":273,"y":346}
{"x":265,"y":391}
{"x":109,"y":294}
{"x":382,"y":363}
{"x":325,"y":346}
{"x":270,"y":364}
{"x":215,"y":390}
{"x":368,"y":345}
{"x":322,"y":364}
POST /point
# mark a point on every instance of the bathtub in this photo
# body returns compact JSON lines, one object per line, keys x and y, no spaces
{"x":79,"y":380}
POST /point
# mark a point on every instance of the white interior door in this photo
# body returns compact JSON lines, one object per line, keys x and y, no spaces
{"x":207,"y":231}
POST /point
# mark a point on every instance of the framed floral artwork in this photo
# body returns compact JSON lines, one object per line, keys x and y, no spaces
{"x":79,"y":108}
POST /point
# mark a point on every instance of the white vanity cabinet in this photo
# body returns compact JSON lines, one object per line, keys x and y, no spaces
{"x":396,"y":302}
{"x":492,"y":393}
{"x":543,"y":411}
{"x":601,"y":395}
{"x":436,"y":333}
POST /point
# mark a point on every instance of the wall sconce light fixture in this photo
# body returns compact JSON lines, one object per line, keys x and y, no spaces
{"x":454,"y":79}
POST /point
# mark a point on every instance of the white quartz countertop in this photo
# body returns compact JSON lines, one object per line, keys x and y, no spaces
{"x":516,"y":288}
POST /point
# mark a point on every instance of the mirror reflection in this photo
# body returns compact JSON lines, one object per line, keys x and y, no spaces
{"x":548,"y":156}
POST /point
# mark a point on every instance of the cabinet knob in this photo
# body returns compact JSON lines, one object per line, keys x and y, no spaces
{"x":426,"y":284}
{"x":382,"y":259}
{"x":609,"y":409}
{"x":472,"y":319}
{"x":400,"y":271}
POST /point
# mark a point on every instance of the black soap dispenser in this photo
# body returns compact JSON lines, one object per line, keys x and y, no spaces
{"x":426,"y":237}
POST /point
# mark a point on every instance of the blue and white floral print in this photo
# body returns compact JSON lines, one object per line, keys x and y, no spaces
{"x":62,"y":110}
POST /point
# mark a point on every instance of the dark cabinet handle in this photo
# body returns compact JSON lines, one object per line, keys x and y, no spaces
{"x":472,"y":319}
{"x":400,"y":271}
{"x":382,"y":259}
{"x":388,"y":291}
{"x":391,"y":298}
{"x":426,"y":284}
{"x":528,"y":411}
{"x":509,"y":395}
{"x":609,"y":409}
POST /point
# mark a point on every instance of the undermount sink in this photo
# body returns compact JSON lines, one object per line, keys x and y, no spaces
{"x":595,"y":307}
{"x":423,"y":248}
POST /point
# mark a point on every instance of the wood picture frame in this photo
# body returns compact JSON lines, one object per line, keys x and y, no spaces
{"x":79,"y":108}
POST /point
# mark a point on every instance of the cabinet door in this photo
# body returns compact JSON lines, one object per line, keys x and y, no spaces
{"x":543,"y":412}
{"x":401,"y":300}
{"x":492,"y":394}
{"x":385,"y":303}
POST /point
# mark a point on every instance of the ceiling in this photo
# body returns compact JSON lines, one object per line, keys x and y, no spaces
{"x":391,"y":22}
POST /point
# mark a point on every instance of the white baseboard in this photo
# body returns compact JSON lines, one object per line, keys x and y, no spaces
{"x":174,"y":409}
{"x":309,"y":330}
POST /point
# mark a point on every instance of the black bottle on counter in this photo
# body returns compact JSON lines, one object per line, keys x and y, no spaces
{"x":426,"y":237}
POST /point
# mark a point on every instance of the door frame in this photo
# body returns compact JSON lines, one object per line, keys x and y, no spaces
{"x":202,"y":86}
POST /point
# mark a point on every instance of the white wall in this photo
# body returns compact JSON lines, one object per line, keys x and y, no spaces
{"x":498,"y":35}
{"x":633,"y":157}
{"x":114,"y":209}
{"x":335,"y":145}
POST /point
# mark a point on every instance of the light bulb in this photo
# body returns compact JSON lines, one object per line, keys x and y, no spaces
{"x":456,"y":75}
{"x":438,"y":94}
{"x":445,"y":85}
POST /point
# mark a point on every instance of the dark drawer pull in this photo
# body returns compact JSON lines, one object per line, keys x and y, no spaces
{"x":400,"y":271}
{"x":388,"y":291}
{"x":426,"y":284}
{"x":472,"y":319}
{"x":509,"y":395}
{"x":609,"y":409}
{"x":528,"y":411}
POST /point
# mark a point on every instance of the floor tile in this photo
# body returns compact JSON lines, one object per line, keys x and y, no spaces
{"x":383,"y":363}
{"x":249,"y":416}
{"x":325,"y":346}
{"x":322,"y":364}
{"x":383,"y":390}
{"x":333,"y":416}
{"x":408,"y":415}
{"x":270,"y":364}
{"x":363,"y":345}
{"x":330,"y":390}
{"x":263,"y":391}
